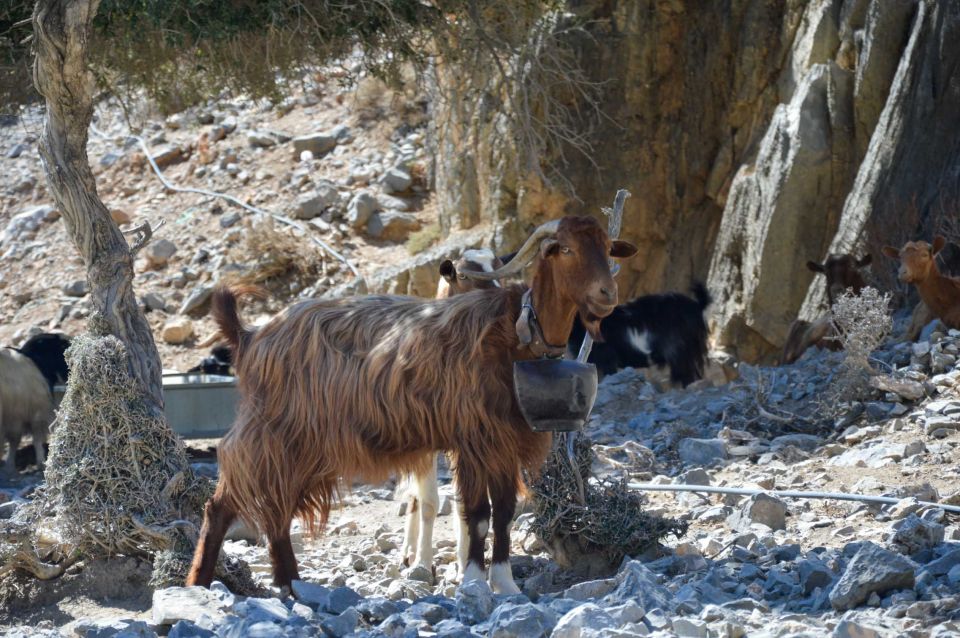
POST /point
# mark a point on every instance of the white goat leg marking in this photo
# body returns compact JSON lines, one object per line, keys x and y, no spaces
{"x":640,"y":340}
{"x":501,"y":579}
{"x":412,"y":529}
{"x":429,"y":494}
{"x":463,"y":538}
{"x":473,"y":572}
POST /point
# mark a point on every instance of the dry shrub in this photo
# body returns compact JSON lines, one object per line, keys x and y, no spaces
{"x":862,"y":322}
{"x":371,"y":98}
{"x":276,"y":259}
{"x":118,"y":481}
{"x":592,"y":531}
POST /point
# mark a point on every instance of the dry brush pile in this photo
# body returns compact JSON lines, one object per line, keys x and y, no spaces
{"x":117,"y":482}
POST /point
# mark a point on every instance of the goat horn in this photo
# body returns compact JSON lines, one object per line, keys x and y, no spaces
{"x":522,"y":258}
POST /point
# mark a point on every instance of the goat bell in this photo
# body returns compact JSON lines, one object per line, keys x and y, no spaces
{"x":555,"y":394}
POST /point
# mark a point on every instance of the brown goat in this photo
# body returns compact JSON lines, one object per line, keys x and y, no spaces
{"x":333,"y":391}
{"x":842,"y":273}
{"x":918,"y":266}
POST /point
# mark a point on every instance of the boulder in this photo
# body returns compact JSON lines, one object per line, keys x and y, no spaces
{"x":174,"y":604}
{"x":702,"y":452}
{"x":392,"y":226}
{"x":177,"y":330}
{"x":873,"y":569}
{"x":159,"y":252}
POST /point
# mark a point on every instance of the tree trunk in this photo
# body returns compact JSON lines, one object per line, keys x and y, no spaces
{"x":62,"y":31}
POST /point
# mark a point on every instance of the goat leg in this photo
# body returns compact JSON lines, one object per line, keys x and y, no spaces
{"x":476,"y":510}
{"x":504,"y":497}
{"x":217,"y":516}
{"x":283,"y":560}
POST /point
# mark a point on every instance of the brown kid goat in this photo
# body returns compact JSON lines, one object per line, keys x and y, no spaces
{"x":918,"y":266}
{"x":333,"y":391}
{"x":842,"y":273}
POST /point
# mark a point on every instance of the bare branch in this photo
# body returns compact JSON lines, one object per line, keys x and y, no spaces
{"x":144,"y":233}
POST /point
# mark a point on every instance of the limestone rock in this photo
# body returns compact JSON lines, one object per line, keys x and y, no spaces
{"x":177,"y":330}
{"x":159,"y":252}
{"x":317,"y":143}
{"x":764,"y":509}
{"x":703,"y":452}
{"x":361,"y":207}
{"x":190,"y":603}
{"x":392,"y":226}
{"x":872,"y":569}
{"x":914,"y":534}
{"x":396,"y":180}
{"x":474,"y":602}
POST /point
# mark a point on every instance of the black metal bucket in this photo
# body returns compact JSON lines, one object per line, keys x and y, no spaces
{"x":555,"y":394}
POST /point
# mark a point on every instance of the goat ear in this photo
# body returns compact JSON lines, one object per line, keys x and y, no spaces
{"x":938,"y":243}
{"x":621,"y":249}
{"x":549,"y":247}
{"x":891,"y":252}
{"x":814,"y":266}
{"x":865,"y":261}
{"x":448,"y":271}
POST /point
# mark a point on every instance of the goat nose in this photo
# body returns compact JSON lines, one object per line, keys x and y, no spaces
{"x":610,"y":294}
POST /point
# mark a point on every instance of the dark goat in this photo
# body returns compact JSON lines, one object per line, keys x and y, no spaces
{"x":46,"y":350}
{"x":219,"y":362}
{"x":665,"y":329}
{"x":842,"y":272}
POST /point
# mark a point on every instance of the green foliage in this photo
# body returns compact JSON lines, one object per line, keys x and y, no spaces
{"x":16,"y":85}
{"x":183,"y":51}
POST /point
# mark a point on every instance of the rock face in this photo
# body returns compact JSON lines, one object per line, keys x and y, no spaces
{"x":754,"y":136}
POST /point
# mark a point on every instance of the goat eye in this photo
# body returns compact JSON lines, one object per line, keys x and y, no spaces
{"x":461,"y":276}
{"x":565,"y":250}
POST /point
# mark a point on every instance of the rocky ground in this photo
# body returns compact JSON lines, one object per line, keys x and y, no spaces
{"x":347,"y":161}
{"x":748,"y":566}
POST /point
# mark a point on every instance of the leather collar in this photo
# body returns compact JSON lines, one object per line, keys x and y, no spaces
{"x":530,"y":333}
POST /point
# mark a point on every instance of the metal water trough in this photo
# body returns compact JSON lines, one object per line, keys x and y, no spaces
{"x":197,"y":406}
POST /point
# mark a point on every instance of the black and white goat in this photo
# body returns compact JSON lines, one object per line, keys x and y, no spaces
{"x":666,"y":329}
{"x":218,"y":362}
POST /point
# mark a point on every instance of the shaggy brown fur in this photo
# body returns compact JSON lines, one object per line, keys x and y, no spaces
{"x":335,"y":391}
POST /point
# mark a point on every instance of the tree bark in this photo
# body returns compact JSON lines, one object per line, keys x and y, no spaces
{"x":62,"y":31}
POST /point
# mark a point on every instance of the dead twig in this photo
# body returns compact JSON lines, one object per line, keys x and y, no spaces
{"x":144,"y":233}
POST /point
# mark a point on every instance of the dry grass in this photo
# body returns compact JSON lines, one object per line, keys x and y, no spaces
{"x":277,"y":259}
{"x":423,"y":238}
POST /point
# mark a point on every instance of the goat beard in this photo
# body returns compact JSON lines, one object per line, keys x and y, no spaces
{"x":591,"y":322}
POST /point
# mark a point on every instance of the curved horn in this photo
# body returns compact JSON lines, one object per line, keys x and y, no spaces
{"x":523,"y":256}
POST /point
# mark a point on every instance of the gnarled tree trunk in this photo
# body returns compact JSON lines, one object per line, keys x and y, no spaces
{"x":62,"y":30}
